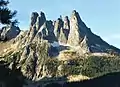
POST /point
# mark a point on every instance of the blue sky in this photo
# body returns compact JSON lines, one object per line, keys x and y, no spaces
{"x":102,"y":16}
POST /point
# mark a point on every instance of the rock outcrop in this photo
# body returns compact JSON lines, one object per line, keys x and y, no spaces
{"x":9,"y":32}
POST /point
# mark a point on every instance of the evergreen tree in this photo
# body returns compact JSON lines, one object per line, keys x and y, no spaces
{"x":6,"y":14}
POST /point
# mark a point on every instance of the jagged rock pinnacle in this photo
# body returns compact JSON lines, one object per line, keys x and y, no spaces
{"x":58,"y":25}
{"x":66,"y":27}
{"x":34,"y":16}
{"x":37,"y":19}
{"x":75,"y":35}
{"x":75,"y":15}
{"x":66,"y":23}
{"x":41,"y":19}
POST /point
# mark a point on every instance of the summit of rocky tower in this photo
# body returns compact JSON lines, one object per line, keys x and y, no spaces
{"x":37,"y":19}
{"x":76,"y":33}
{"x":34,"y":16}
{"x":40,"y":20}
{"x":66,"y":23}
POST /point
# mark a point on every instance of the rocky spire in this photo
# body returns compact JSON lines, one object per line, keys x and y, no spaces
{"x":40,"y":20}
{"x":46,"y":32}
{"x":66,"y":23}
{"x":58,"y":25}
{"x":37,"y":20}
{"x":76,"y":34}
{"x":34,"y":16}
{"x":50,"y":28}
{"x":66,"y":27}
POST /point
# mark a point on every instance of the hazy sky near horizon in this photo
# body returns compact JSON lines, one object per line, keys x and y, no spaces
{"x":102,"y":16}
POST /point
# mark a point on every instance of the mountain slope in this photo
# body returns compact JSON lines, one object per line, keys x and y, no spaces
{"x":58,"y":48}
